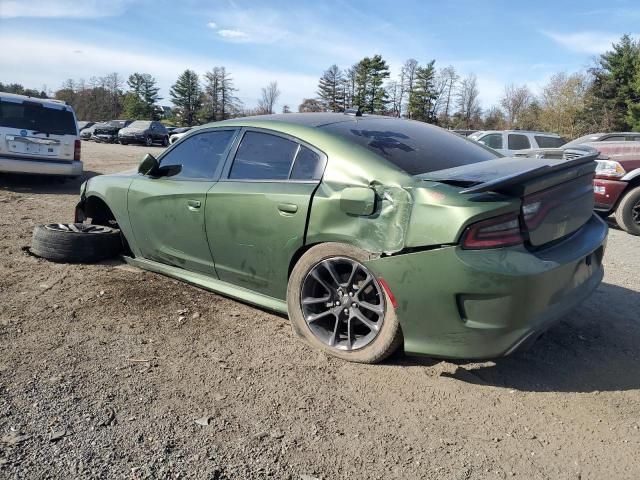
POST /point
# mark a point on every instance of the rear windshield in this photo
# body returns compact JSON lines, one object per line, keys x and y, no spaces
{"x":414,"y":147}
{"x":549,"y":142}
{"x":38,"y":118}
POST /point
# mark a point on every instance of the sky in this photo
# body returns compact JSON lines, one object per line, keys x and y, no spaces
{"x":45,"y":42}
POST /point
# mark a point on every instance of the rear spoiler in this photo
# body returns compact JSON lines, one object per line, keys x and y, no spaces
{"x":522,"y":177}
{"x":508,"y":173}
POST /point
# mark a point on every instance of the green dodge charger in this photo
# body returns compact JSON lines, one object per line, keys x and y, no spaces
{"x":370,"y":232}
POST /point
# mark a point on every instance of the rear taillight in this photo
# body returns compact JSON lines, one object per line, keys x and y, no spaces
{"x":502,"y":231}
{"x":76,"y":150}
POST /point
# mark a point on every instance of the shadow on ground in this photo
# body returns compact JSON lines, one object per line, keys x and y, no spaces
{"x":43,"y":184}
{"x":595,"y":348}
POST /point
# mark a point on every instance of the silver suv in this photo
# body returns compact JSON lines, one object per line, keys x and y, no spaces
{"x":38,"y":135}
{"x":508,"y":142}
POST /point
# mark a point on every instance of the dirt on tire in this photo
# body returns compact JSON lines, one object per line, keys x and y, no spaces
{"x":107,"y":371}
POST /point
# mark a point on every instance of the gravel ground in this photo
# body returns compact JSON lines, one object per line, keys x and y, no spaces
{"x":110,"y":372}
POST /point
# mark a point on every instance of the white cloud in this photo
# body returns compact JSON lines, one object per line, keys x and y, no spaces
{"x":233,"y":35}
{"x":593,"y":43}
{"x":57,"y":59}
{"x":61,"y":8}
{"x":212,"y":25}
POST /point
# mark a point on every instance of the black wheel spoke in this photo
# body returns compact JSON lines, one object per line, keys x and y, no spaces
{"x":313,"y":300}
{"x":369,"y":306}
{"x":362,"y":318}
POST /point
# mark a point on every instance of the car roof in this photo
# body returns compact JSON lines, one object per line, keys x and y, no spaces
{"x":45,"y":101}
{"x":309,"y":119}
{"x":535,"y":132}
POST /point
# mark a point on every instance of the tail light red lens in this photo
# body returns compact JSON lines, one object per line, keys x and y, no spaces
{"x":502,"y":231}
{"x":76,"y":150}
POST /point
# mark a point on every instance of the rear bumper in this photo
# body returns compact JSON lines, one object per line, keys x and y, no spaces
{"x":41,"y":167}
{"x":477,"y":304}
{"x":606,"y":193}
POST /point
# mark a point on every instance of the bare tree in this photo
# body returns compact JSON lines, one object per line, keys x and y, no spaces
{"x":448,"y":78}
{"x":395,"y":100}
{"x":310,"y":105}
{"x":515,"y":101}
{"x":270,"y":95}
{"x":562,"y":102}
{"x":467,"y":101}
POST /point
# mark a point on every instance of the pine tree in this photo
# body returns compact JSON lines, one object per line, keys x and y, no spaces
{"x":613,"y":85}
{"x":186,"y":95}
{"x":145,"y":96}
{"x":423,"y":94}
{"x":370,"y":93}
{"x":331,"y":90}
{"x":220,"y":102}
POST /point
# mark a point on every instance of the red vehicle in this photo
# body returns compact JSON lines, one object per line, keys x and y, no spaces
{"x":616,"y":185}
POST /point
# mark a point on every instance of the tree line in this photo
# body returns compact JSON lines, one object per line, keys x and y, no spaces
{"x":604,"y":97}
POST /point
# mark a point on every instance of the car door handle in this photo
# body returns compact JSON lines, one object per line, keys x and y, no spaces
{"x":193,"y":205}
{"x":288,"y":207}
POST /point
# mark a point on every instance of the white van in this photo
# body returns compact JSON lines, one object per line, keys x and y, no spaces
{"x":38,"y":135}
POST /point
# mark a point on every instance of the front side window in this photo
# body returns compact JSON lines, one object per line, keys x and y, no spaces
{"x":199,"y":155}
{"x":517,"y":141}
{"x":262,"y":156}
{"x":493,"y":140}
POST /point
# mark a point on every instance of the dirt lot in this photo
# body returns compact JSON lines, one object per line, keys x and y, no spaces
{"x":104,"y":370}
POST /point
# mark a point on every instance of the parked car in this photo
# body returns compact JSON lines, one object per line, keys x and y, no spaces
{"x":144,"y":131}
{"x":108,"y":132}
{"x":617,"y":183}
{"x":605,"y":137}
{"x":82,"y":125}
{"x":178,"y":133}
{"x":370,"y":232}
{"x":38,"y":135}
{"x":87,"y":133}
{"x":508,"y":142}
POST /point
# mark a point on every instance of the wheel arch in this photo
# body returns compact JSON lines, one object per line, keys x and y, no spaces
{"x":97,"y":209}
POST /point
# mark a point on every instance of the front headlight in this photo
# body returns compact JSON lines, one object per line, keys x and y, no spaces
{"x":609,"y":168}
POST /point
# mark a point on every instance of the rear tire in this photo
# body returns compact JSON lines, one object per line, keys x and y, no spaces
{"x":374,"y":348}
{"x":628,"y":212}
{"x":148,"y":141}
{"x":75,"y":243}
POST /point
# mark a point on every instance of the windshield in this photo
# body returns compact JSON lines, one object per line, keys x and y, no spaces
{"x":414,"y":147}
{"x":141,"y":124}
{"x":581,"y":140}
{"x":37,"y":117}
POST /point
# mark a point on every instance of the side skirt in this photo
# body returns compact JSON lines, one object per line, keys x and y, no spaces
{"x":213,"y":284}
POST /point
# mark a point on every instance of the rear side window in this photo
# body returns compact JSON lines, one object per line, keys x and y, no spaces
{"x":493,"y":140}
{"x":517,"y":141}
{"x":549,"y":142}
{"x":307,"y":166}
{"x":38,"y":118}
{"x":262,"y":156}
{"x":199,"y":155}
{"x":414,"y":147}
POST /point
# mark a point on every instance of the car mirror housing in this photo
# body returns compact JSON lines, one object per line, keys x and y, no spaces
{"x":359,"y":201}
{"x":149,"y":165}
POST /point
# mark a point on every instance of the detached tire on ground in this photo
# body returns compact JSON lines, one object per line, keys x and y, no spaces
{"x":75,"y":242}
{"x":339,"y":307}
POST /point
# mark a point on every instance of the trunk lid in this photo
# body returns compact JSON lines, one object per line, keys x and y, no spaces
{"x":556,"y":196}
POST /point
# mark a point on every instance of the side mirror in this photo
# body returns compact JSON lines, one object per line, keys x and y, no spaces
{"x":359,"y":201}
{"x":149,"y":165}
